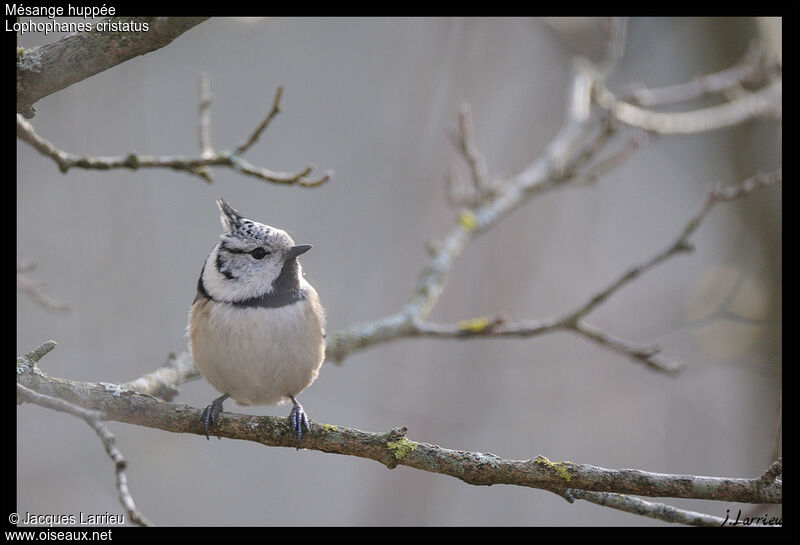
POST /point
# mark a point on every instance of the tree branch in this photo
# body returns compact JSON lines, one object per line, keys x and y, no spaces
{"x":577,"y":143}
{"x":775,"y":470}
{"x":465,"y":143}
{"x":253,"y":138}
{"x":545,"y":173}
{"x":36,"y":289}
{"x":394,"y":448}
{"x":750,"y":68}
{"x":43,"y":70}
{"x":163,"y":382}
{"x":396,"y":327}
{"x":192,"y":165}
{"x":660,"y":511}
{"x":91,"y":417}
{"x":766,"y":101}
{"x":204,"y":130}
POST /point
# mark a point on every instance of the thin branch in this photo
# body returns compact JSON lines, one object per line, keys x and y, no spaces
{"x":565,"y":154}
{"x":497,"y":327}
{"x":204,"y":130}
{"x":775,"y":470}
{"x":397,"y":327}
{"x":465,"y":143}
{"x":654,"y":510}
{"x":766,"y":101}
{"x":749,"y":68}
{"x":30,"y":359}
{"x":36,"y":289}
{"x":253,"y":138}
{"x":43,"y":70}
{"x":650,"y":355}
{"x":196,"y":166}
{"x":164,"y":381}
{"x":394,"y":448}
{"x":548,"y":171}
{"x":603,"y":166}
{"x":728,"y":193}
{"x":192,"y":165}
{"x":680,"y":245}
{"x":25,"y":264}
{"x":93,"y":418}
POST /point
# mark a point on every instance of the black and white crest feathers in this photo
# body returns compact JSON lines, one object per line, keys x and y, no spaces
{"x":236,"y":224}
{"x":231,"y":219}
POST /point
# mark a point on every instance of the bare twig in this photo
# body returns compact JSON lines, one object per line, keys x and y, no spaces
{"x":548,"y":171}
{"x":572,"y":149}
{"x":36,"y":289}
{"x":483,"y":187}
{"x":729,"y":193}
{"x":192,"y":165}
{"x":649,"y":355}
{"x":750,"y":67}
{"x":646,"y":354}
{"x":25,"y":264}
{"x":560,"y":163}
{"x":30,"y":359}
{"x":397,"y":326}
{"x":766,"y":101}
{"x":601,"y":167}
{"x":204,"y":130}
{"x":740,"y":106}
{"x":775,"y":470}
{"x":92,"y":417}
{"x":27,"y":365}
{"x":637,"y":506}
{"x":276,"y":109}
{"x":393,"y":448}
{"x":164,"y":381}
{"x":197,"y":166}
{"x":465,"y":143}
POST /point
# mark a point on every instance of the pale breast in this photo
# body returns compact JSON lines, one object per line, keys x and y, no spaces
{"x":258,"y":355}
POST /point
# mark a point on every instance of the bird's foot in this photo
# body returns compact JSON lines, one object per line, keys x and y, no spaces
{"x":210,"y":414}
{"x":298,"y":420}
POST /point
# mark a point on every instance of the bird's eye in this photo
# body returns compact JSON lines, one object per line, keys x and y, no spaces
{"x":259,"y":253}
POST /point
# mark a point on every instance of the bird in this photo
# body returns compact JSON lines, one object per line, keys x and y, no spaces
{"x":256,"y":326}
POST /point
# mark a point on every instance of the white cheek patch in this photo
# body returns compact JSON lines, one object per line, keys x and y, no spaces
{"x":236,"y":277}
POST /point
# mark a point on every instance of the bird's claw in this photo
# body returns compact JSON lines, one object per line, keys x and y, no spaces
{"x":210,"y":414}
{"x":298,"y":420}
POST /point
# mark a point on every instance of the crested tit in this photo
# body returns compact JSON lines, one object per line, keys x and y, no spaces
{"x":256,"y":326}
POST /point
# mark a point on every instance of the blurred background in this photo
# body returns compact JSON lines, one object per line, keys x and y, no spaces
{"x":376,"y":100}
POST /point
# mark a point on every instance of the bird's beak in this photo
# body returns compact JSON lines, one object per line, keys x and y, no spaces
{"x":295,"y":251}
